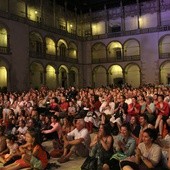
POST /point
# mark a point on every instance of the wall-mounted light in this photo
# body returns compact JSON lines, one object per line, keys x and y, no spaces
{"x":71,"y":25}
{"x":36,"y":12}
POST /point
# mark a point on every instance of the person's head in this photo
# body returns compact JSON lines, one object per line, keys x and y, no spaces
{"x":160,"y":98}
{"x":105,"y":129}
{"x":149,"y":136}
{"x":155,"y":96}
{"x":141,"y":97}
{"x":143,"y":119}
{"x":31,"y":122}
{"x":67,"y":121}
{"x":80,"y":124}
{"x":63,"y":99}
{"x":149,"y":99}
{"x":54,"y":100}
{"x":22,"y":123}
{"x":32,"y":137}
{"x":125,"y":130}
{"x":122,"y":98}
{"x":134,"y":99}
{"x":133,"y":120}
{"x":42,"y":117}
{"x":54,"y":118}
{"x":47,"y":119}
{"x":11,"y":138}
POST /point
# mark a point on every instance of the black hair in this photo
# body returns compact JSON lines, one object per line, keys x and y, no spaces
{"x":11,"y":137}
{"x":153,"y":133}
{"x":34,"y":135}
{"x":161,"y":95}
{"x":107,"y":129}
{"x":55,"y":117}
{"x":55,"y":99}
{"x":127,"y":126}
{"x":145,"y":117}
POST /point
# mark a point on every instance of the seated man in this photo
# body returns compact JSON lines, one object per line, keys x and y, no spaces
{"x":77,"y":141}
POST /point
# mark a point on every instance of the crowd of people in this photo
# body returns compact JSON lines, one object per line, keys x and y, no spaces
{"x":131,"y":126}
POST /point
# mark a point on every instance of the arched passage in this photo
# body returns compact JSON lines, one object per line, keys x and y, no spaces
{"x":50,"y":46}
{"x":114,"y":51}
{"x":63,"y":76}
{"x":72,"y":50}
{"x":131,"y":50}
{"x":115,"y":75}
{"x":99,"y":76}
{"x":3,"y":75}
{"x":98,"y":51}
{"x":3,"y":40}
{"x":36,"y":75}
{"x":50,"y":77}
{"x":132,"y":75}
{"x":73,"y":77}
{"x":62,"y":48}
{"x":165,"y":73}
{"x":36,"y":45}
{"x":164,"y":44}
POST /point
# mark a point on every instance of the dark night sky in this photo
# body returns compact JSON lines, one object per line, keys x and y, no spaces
{"x":94,"y":5}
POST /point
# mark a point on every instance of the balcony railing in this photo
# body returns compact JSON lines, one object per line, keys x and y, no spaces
{"x":131,"y":58}
{"x":4,"y":50}
{"x":35,"y":54}
{"x":67,"y":59}
{"x":50,"y":57}
{"x":164,"y":55}
{"x":39,"y":55}
{"x":115,"y":59}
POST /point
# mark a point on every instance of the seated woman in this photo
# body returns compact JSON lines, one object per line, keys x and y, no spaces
{"x":3,"y":145}
{"x":102,"y":145}
{"x":55,"y":131}
{"x":22,"y":129}
{"x":12,"y":151}
{"x":33,"y":155}
{"x":148,"y":154}
{"x":58,"y":144}
{"x":135,"y":127}
{"x":126,"y":145}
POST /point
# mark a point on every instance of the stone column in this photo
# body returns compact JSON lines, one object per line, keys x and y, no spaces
{"x":158,"y":13}
{"x":44,"y":77}
{"x":138,"y":14}
{"x":54,"y":13}
{"x":26,"y":9}
{"x":90,"y":22}
{"x":107,"y":78}
{"x":65,"y":5}
{"x":57,"y":77}
{"x":122,"y":17}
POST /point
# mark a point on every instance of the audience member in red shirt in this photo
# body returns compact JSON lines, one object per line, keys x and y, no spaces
{"x":162,"y":112}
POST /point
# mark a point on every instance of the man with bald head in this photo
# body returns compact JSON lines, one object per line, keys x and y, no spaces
{"x":76,"y":141}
